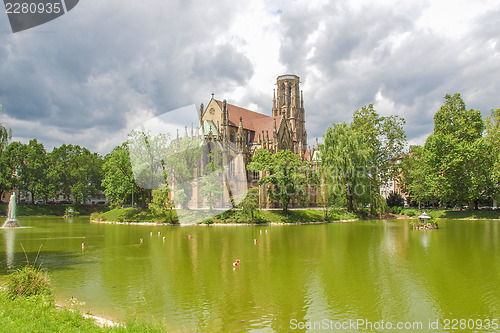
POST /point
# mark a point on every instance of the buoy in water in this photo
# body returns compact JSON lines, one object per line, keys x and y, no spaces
{"x":141,"y":241}
{"x":83,"y":246}
{"x":164,"y":238}
{"x":255,"y":241}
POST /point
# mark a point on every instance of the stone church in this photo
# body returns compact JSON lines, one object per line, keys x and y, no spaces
{"x":249,"y":130}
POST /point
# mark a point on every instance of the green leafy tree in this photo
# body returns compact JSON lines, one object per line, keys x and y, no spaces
{"x":284,"y":177}
{"x":493,"y":142}
{"x":161,"y":205}
{"x":183,"y":167}
{"x":251,"y":203}
{"x":74,"y":172}
{"x":413,"y":176}
{"x":212,"y":188}
{"x":5,"y":171}
{"x":344,"y":169}
{"x":395,"y":200}
{"x":457,"y":154}
{"x":32,"y":171}
{"x":118,"y":179}
{"x":12,"y":160}
{"x":386,"y":138}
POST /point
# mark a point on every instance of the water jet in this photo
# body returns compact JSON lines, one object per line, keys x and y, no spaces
{"x":11,"y":221}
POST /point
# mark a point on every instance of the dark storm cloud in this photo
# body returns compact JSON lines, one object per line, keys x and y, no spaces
{"x":377,"y":54}
{"x":104,"y":63}
{"x":223,"y":66}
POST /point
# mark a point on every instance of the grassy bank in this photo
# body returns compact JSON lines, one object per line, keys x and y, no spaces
{"x":232,"y":216}
{"x":293,"y":216}
{"x":39,"y":314}
{"x":56,"y":209}
{"x":454,"y":214}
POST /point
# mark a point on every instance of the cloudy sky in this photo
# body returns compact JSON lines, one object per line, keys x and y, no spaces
{"x":92,"y":75}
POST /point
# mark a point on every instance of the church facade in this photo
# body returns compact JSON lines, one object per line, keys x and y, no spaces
{"x":285,"y":128}
{"x":249,"y":130}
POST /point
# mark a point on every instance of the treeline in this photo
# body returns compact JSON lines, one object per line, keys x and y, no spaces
{"x":459,"y":165}
{"x":70,"y":171}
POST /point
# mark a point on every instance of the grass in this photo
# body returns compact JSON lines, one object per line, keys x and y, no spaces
{"x":126,"y":215}
{"x":454,"y":214}
{"x":232,"y":216}
{"x":27,"y":305}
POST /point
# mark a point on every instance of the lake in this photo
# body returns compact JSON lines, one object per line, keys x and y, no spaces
{"x":294,"y":278}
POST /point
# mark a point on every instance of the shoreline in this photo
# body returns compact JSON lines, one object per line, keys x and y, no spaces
{"x":224,"y":224}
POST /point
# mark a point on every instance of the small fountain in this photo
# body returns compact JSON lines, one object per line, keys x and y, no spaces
{"x":11,"y":221}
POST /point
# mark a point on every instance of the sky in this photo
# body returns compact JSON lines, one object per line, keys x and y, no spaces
{"x":95,"y":73}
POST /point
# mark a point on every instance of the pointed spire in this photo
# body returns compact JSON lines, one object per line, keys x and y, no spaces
{"x":185,"y":131}
{"x":274,"y":99}
{"x":301,"y":99}
{"x":317,"y":145}
{"x":201,"y":111}
{"x":192,"y":130}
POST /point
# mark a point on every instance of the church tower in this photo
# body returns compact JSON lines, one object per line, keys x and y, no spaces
{"x":289,"y":103}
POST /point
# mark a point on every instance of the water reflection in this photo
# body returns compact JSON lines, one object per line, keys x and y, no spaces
{"x":10,"y":239}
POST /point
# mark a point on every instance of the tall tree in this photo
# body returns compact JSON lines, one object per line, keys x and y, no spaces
{"x":5,"y":171}
{"x":386,"y":139}
{"x":412,"y":178}
{"x":33,"y":170}
{"x":345,"y":161}
{"x":285,"y":175}
{"x":493,"y":142}
{"x":118,"y":182}
{"x":456,"y":154}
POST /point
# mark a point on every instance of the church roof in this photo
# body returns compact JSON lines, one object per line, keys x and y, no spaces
{"x":252,"y":121}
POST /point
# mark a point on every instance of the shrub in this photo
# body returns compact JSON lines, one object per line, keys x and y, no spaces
{"x":395,"y":199}
{"x":28,"y":281}
{"x":396,"y":210}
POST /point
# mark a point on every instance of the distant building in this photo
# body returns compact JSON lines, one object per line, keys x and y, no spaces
{"x":392,"y":185}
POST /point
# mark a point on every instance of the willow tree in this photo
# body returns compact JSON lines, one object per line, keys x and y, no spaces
{"x":344,"y":165}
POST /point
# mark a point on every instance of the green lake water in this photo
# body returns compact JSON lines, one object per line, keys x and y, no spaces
{"x":294,"y":277}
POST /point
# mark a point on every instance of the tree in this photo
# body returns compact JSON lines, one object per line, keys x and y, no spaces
{"x":5,"y":171}
{"x":118,"y":182}
{"x":386,"y":139}
{"x":161,"y":205}
{"x":395,"y":200}
{"x":344,"y":169}
{"x":284,"y":177}
{"x":251,"y":203}
{"x":456,"y":154}
{"x":212,"y":187}
{"x":413,"y":176}
{"x":74,"y":172}
{"x":493,"y":142}
{"x":33,"y":170}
